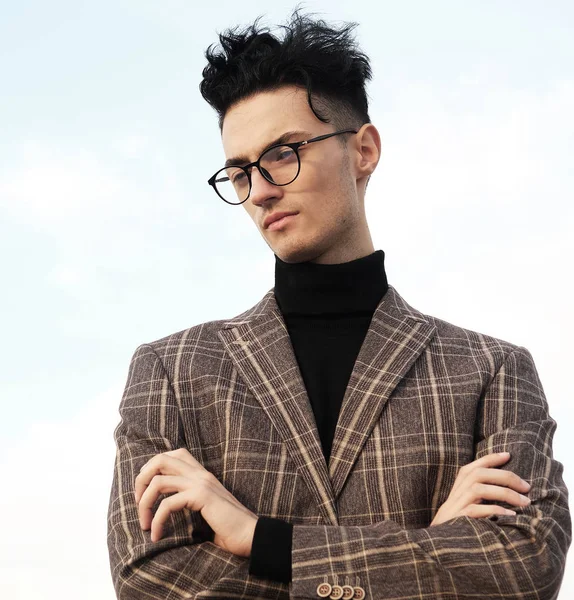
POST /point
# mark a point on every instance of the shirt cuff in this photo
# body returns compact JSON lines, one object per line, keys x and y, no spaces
{"x":271,"y":549}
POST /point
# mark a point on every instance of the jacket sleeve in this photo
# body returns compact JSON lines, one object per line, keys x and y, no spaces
{"x":185,"y":562}
{"x":518,"y":556}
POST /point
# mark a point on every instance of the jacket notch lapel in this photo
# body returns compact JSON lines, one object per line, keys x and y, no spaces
{"x":261,"y":350}
{"x":397,"y":335}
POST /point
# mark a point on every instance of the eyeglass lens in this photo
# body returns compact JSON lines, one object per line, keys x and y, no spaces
{"x":279,"y":165}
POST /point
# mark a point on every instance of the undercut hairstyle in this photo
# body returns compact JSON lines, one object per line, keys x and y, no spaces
{"x":323,"y":60}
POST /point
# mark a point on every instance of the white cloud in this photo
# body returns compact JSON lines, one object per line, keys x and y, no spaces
{"x":59,"y":478}
{"x":511,"y":148}
{"x":55,"y":188}
{"x":131,"y":146}
{"x":117,"y":231}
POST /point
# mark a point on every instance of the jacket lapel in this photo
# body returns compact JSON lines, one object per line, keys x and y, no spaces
{"x":259,"y":345}
{"x":396,"y":337}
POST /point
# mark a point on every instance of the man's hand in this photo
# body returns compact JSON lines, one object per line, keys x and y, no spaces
{"x":471,"y":487}
{"x":197,"y":489}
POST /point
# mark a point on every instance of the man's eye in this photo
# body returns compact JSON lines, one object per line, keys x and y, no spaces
{"x":285,"y":154}
{"x":238,"y":177}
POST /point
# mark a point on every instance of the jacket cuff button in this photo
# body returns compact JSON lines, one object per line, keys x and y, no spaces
{"x":324,"y":590}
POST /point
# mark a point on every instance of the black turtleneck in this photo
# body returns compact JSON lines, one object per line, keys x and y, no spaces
{"x":327,"y":311}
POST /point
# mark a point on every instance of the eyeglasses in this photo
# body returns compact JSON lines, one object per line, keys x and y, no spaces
{"x":279,"y":164}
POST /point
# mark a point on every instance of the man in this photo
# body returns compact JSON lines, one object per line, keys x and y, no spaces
{"x":331,"y":441}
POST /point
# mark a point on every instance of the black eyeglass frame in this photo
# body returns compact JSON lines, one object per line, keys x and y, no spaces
{"x":246,"y":168}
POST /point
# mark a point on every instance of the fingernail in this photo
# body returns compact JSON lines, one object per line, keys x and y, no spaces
{"x":504,"y":453}
{"x":525,"y":483}
{"x":525,"y":499}
{"x":509,"y":512}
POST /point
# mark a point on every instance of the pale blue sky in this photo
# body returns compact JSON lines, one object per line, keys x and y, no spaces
{"x":110,"y":236}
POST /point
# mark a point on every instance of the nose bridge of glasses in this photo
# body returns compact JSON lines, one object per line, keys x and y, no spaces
{"x":257,"y":167}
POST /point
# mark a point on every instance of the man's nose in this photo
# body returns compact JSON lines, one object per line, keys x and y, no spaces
{"x":261,"y":188}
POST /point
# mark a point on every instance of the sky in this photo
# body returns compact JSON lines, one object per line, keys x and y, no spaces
{"x":110,"y":236}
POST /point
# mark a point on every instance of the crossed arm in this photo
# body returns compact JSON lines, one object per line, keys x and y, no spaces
{"x":517,"y":556}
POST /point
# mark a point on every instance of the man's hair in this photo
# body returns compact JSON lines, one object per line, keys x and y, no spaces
{"x":323,"y":60}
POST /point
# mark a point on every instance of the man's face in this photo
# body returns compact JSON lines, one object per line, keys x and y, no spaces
{"x":324,"y":195}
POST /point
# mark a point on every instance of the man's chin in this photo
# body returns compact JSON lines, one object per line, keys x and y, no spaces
{"x":291,"y":255}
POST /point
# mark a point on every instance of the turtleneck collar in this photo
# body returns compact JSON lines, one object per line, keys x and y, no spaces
{"x":316,"y":289}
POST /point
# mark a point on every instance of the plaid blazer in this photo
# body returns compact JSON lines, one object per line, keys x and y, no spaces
{"x":425,"y":398}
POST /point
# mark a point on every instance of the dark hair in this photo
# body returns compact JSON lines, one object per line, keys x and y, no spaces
{"x":321,"y":59}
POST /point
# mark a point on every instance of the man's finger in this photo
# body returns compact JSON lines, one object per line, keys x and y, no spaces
{"x":500,"y":477}
{"x":160,"y":484}
{"x":160,"y":464}
{"x":494,"y":458}
{"x":490,"y":460}
{"x":484,"y":491}
{"x":184,"y":455}
{"x":170,"y":505}
{"x":477,"y":511}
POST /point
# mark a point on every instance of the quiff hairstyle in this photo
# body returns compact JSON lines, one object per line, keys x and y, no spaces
{"x":322,"y":59}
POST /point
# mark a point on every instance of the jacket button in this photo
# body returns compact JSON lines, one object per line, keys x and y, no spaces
{"x":323,"y":590}
{"x":348,"y":592}
{"x":336,"y":593}
{"x":359,"y":593}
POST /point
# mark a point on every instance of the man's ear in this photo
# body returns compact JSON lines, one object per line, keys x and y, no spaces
{"x":368,"y":150}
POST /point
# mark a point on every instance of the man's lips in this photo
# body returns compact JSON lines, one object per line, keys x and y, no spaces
{"x":281,"y":223}
{"x":275,"y":218}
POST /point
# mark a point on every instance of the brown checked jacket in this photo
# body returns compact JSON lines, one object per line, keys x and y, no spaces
{"x":425,"y":398}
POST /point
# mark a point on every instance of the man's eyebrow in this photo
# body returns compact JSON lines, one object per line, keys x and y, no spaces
{"x":284,"y":137}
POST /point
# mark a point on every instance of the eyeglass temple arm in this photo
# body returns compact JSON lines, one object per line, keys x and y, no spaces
{"x":327,"y":135}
